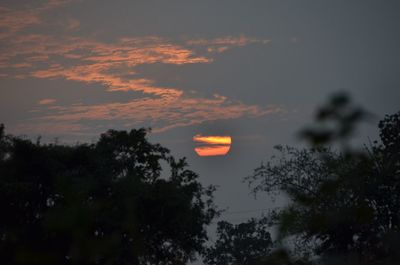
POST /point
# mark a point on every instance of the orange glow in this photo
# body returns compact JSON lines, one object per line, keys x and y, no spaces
{"x":222,"y":140}
{"x":216,"y":150}
{"x":213,"y":145}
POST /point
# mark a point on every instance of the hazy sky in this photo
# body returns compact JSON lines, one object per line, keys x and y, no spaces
{"x":253,"y":70}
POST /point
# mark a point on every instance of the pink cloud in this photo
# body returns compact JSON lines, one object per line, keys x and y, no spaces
{"x":47,"y":101}
{"x":73,"y":24}
{"x":224,"y":43}
{"x":52,"y":128}
{"x":114,"y":66}
{"x":95,"y":62}
{"x":14,"y":20}
{"x":170,"y":112}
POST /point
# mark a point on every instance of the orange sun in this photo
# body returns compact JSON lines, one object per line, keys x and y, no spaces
{"x":212,"y":145}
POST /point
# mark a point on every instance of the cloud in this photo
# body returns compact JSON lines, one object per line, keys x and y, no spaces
{"x":13,"y":20}
{"x":49,"y":128}
{"x":73,"y":24}
{"x":227,"y":41}
{"x":114,"y":66}
{"x":47,"y":101}
{"x":162,"y":113}
{"x":222,"y":44}
{"x":91,"y":61}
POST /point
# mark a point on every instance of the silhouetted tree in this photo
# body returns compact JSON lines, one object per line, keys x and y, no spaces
{"x":242,"y":244}
{"x":110,"y":202}
{"x":345,"y":204}
{"x":282,"y":256}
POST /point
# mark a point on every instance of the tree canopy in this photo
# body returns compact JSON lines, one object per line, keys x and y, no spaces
{"x":110,"y":202}
{"x":242,"y":244}
{"x":345,"y":203}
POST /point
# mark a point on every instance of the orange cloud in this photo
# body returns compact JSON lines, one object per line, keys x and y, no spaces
{"x":12,"y":20}
{"x":228,"y":41}
{"x":73,"y":24}
{"x":114,"y":66}
{"x":47,"y":101}
{"x":224,"y":43}
{"x":162,"y":113}
{"x":96,"y":62}
{"x":50,"y":128}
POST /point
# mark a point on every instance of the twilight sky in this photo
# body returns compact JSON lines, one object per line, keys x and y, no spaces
{"x":253,"y":70}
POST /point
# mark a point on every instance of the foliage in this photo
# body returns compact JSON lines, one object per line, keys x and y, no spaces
{"x":101,"y":203}
{"x":344,"y":204}
{"x":242,"y":244}
{"x":282,"y":257}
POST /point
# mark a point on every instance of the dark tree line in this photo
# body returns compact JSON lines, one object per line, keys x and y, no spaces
{"x":241,"y":244}
{"x":102,"y":203}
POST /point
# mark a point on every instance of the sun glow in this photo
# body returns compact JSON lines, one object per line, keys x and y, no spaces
{"x":212,"y":145}
{"x":212,"y":139}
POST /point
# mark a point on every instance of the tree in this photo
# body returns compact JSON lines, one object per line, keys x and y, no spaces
{"x":242,"y":244}
{"x":111,"y":202}
{"x":344,"y":203}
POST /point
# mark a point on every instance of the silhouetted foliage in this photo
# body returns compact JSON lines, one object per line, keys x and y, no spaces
{"x":282,"y":257}
{"x":242,"y":244}
{"x":101,"y":203}
{"x":345,"y":204}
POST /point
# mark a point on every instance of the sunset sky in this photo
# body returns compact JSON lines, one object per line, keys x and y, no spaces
{"x":251,"y":70}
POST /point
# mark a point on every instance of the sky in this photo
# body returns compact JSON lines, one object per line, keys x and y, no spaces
{"x":251,"y":70}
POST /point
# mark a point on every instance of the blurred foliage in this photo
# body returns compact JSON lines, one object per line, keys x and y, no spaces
{"x":101,"y":203}
{"x":336,"y":121}
{"x":345,"y":203}
{"x":242,"y":244}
